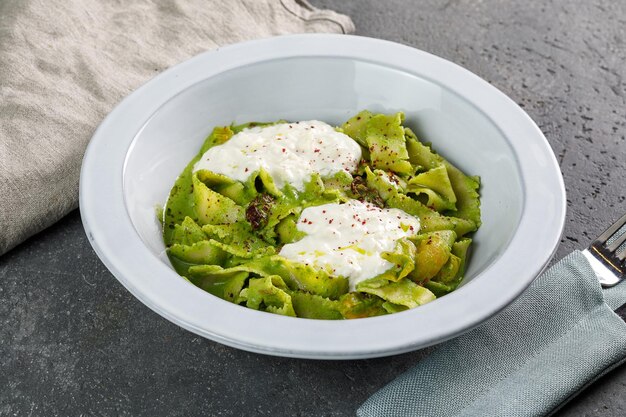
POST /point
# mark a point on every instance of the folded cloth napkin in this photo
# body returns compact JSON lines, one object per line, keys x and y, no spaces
{"x":558,"y":337}
{"x":64,"y":64}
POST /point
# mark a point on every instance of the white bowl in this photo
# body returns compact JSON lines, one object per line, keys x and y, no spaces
{"x":141,"y":147}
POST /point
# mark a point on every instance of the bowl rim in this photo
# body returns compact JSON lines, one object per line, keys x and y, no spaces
{"x":107,"y":222}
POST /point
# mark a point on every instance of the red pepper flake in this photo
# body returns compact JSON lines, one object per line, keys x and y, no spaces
{"x":411,"y":228}
{"x":310,"y":222}
{"x":283,"y":149}
{"x":245,"y":170}
{"x":316,"y":150}
{"x":363,"y":222}
{"x":324,"y":211}
{"x":330,"y":221}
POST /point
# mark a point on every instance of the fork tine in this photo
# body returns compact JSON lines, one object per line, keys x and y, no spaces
{"x":621,"y":255}
{"x":616,"y":243}
{"x":601,"y":240}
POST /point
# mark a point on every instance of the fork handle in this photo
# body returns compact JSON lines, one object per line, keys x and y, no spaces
{"x":605,"y":276}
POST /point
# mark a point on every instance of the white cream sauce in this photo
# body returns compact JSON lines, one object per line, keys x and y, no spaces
{"x":348,"y":239}
{"x":289,"y":152}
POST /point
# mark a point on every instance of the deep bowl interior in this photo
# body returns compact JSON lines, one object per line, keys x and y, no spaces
{"x":331,"y":90}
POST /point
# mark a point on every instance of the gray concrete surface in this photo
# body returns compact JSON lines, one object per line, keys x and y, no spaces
{"x":74,"y":342}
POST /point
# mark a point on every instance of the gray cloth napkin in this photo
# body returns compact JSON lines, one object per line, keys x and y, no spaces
{"x":559,"y":336}
{"x":64,"y":64}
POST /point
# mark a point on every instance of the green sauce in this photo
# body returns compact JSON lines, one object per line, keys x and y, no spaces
{"x":224,"y":235}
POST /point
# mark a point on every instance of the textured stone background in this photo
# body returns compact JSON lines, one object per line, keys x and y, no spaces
{"x":73,"y":341}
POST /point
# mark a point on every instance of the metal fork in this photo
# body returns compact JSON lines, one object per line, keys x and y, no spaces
{"x":605,"y":256}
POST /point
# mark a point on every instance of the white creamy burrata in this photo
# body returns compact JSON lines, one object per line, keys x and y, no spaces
{"x":289,"y":152}
{"x":349,"y":238}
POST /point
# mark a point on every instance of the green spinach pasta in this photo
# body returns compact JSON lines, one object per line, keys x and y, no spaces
{"x":307,"y":220}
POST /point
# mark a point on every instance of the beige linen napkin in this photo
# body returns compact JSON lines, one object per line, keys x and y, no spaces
{"x":64,"y":64}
